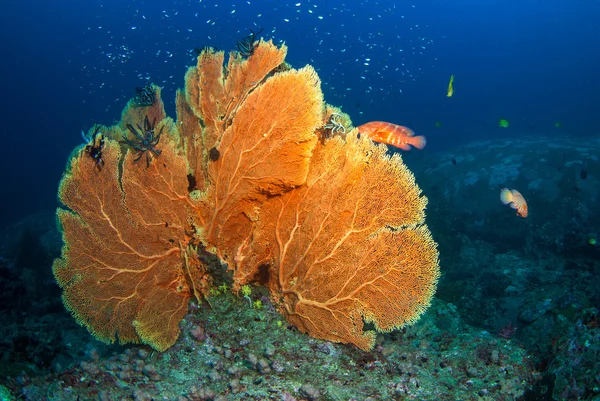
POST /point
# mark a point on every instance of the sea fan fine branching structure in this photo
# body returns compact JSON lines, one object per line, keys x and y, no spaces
{"x":247,"y":186}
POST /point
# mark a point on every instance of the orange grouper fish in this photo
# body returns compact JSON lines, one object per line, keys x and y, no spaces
{"x":515,"y":200}
{"x":392,"y":134}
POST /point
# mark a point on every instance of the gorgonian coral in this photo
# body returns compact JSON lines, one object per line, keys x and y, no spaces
{"x":246,"y":179}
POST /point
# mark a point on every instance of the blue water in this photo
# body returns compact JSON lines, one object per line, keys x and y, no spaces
{"x":68,"y":64}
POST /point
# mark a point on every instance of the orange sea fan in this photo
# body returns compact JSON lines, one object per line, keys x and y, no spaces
{"x":257,"y":178}
{"x":215,"y":95}
{"x":350,"y":244}
{"x":265,"y":152}
{"x":124,"y":227}
{"x":261,"y":136}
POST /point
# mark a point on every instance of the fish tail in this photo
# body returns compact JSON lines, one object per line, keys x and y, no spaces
{"x":506,"y":196}
{"x":418,"y":142}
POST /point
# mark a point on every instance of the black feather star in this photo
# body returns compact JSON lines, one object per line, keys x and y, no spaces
{"x":246,"y":45}
{"x":145,"y":140}
{"x":145,"y":96}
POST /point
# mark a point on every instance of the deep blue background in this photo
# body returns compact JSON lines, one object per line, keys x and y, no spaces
{"x":68,"y":64}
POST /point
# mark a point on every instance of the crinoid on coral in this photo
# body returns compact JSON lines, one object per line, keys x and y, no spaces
{"x":145,"y":140}
{"x":257,"y":177}
{"x":246,"y":45}
{"x":336,"y":123}
{"x":94,"y":146}
{"x":145,"y":96}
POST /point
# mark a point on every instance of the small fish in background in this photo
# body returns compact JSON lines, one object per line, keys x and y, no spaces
{"x":515,"y":200}
{"x":558,"y":124}
{"x":593,"y":241}
{"x":392,"y":134}
{"x":583,"y":174}
{"x":438,"y":124}
{"x":503,"y":123}
{"x":450,"y":86}
{"x":454,"y":161}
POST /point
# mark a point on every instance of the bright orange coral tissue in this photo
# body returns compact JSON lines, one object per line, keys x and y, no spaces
{"x":121,"y":270}
{"x":262,"y":176}
{"x":349,"y":245}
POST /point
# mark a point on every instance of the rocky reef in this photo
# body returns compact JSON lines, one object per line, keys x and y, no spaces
{"x":535,"y":279}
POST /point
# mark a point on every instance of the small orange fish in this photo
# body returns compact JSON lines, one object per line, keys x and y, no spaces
{"x":392,"y":134}
{"x":514,"y":199}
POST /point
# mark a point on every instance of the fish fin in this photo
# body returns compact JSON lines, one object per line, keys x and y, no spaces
{"x":418,"y":142}
{"x":408,"y":131}
{"x":506,"y":196}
